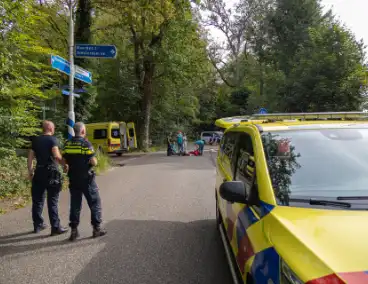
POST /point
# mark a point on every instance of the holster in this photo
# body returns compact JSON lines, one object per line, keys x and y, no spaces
{"x":55,"y":177}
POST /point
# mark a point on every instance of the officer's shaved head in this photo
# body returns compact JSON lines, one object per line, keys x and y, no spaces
{"x":80,"y":129}
{"x":48,"y":127}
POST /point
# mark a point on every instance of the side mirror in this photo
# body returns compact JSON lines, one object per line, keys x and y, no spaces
{"x":233,"y":191}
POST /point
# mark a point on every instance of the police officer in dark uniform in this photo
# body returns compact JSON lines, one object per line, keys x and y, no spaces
{"x":46,"y":177}
{"x":80,"y":157}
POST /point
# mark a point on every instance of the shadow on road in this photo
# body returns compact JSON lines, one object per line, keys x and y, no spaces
{"x":15,"y":238}
{"x":12,"y":236}
{"x":176,"y":162}
{"x":158,"y":252}
{"x":55,"y":245}
{"x":117,"y":161}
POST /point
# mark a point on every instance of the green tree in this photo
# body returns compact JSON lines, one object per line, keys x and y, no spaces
{"x":328,"y":73}
{"x":288,"y":28}
{"x":23,"y":72}
{"x":162,"y":49}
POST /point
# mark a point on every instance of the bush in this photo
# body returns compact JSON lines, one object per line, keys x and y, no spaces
{"x":103,"y":162}
{"x":13,"y":176}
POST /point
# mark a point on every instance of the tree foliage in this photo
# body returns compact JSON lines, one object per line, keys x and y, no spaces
{"x":169,"y":74}
{"x":295,"y":57}
{"x":24,"y":74}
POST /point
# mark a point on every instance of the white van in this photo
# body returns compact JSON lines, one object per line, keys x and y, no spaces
{"x":208,"y":135}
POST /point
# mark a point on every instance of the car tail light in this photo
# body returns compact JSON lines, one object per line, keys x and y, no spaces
{"x":289,"y":277}
{"x":328,"y":279}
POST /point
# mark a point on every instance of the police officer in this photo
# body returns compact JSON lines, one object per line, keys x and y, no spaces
{"x":45,"y":178}
{"x":80,"y":158}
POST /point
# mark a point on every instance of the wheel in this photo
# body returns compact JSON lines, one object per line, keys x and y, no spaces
{"x":119,"y":154}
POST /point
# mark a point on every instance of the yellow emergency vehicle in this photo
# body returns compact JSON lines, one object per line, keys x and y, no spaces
{"x":112,"y":137}
{"x":292,"y":197}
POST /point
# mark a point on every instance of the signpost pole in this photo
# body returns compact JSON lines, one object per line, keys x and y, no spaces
{"x":71,"y":114}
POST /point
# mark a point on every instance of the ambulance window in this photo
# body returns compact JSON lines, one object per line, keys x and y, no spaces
{"x":115,"y":133}
{"x":131,"y":132}
{"x":100,"y":134}
{"x":229,"y":143}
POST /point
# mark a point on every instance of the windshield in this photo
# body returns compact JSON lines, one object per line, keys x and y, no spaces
{"x":326,"y":163}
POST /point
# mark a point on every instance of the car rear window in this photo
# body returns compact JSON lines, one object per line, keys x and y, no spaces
{"x":317,"y":163}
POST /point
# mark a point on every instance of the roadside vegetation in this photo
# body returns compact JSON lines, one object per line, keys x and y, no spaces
{"x":169,"y":74}
{"x":103,"y":163}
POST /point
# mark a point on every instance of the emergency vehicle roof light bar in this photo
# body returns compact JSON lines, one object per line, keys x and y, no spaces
{"x":229,"y":121}
{"x":312,"y":115}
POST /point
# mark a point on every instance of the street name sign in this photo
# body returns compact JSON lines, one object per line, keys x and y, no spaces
{"x":63,"y":66}
{"x":95,"y":51}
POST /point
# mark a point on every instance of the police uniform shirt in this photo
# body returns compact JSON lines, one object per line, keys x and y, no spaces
{"x":77,"y":153}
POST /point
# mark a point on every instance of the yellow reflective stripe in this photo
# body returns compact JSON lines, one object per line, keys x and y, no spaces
{"x":73,"y":147}
{"x":72,"y":151}
{"x":77,"y":148}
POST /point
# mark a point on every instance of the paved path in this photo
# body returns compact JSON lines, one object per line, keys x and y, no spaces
{"x":160,"y":215}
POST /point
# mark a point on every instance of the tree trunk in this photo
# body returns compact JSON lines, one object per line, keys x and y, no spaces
{"x":83,"y":21}
{"x":149,"y":69}
{"x":83,"y":35}
{"x":261,"y":80}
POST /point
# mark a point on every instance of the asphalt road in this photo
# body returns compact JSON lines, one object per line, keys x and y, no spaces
{"x":160,"y":215}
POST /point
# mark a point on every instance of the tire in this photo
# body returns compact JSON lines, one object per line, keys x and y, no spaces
{"x":119,"y":154}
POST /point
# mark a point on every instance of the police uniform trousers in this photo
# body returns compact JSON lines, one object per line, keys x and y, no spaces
{"x":41,"y":185}
{"x":89,"y":189}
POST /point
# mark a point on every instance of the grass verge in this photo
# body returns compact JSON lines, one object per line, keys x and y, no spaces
{"x":103,"y":163}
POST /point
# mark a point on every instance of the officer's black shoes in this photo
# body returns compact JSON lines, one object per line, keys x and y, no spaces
{"x":58,"y":231}
{"x":98,"y":232}
{"x":39,"y":228}
{"x":74,"y":235}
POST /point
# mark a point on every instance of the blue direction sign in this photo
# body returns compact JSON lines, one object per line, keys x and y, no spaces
{"x":80,"y":90}
{"x":67,"y":93}
{"x":95,"y":51}
{"x":263,"y":111}
{"x":63,"y":65}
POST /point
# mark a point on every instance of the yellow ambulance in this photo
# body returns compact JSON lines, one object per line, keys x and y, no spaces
{"x":112,"y":137}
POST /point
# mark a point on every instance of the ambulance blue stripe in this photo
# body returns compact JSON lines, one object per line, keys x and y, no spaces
{"x":245,"y":219}
{"x":251,"y":217}
{"x":266,"y":208}
{"x":266,"y":266}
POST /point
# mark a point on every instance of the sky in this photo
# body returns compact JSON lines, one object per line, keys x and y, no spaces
{"x":352,"y":13}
